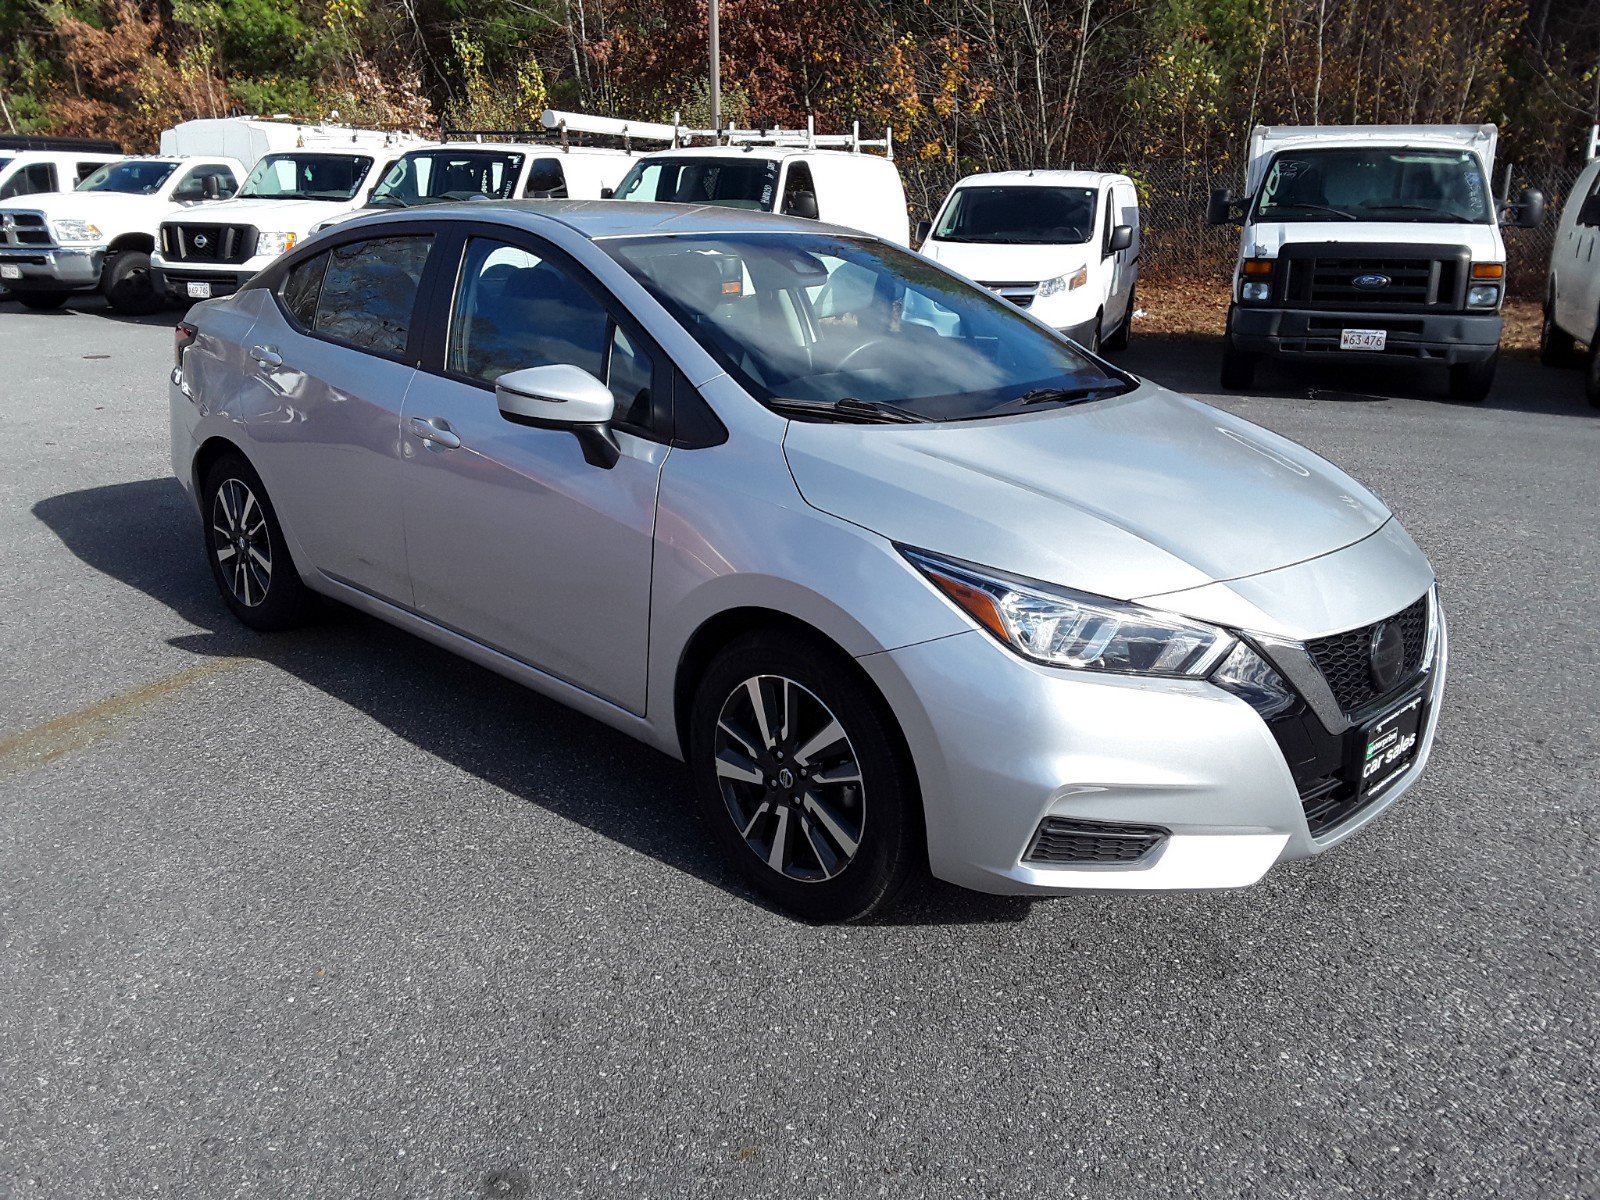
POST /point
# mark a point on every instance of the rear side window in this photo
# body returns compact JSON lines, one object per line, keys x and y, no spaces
{"x":369,"y":292}
{"x":301,"y":287}
{"x":31,"y":181}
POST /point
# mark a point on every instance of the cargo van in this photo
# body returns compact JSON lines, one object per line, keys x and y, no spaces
{"x":1377,"y":243}
{"x":1572,"y":290}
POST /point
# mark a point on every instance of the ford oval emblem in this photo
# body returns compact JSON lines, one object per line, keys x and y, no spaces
{"x":1371,"y":282}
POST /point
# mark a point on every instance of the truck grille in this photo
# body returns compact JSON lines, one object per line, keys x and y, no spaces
{"x":1415,"y":278}
{"x":1020,"y":294}
{"x":24,"y":229}
{"x":207,"y":243}
{"x":1345,"y":658}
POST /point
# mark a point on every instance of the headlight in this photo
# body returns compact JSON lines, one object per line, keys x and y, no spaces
{"x":1064,"y":628}
{"x":275,"y":243}
{"x":75,"y":231}
{"x":1247,"y":675}
{"x":1483,"y":295}
{"x":1255,"y":290}
{"x":1065,"y":283}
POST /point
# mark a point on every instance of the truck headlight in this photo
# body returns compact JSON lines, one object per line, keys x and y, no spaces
{"x":1483,"y":295}
{"x":1071,"y":281}
{"x":1255,"y":290}
{"x":276,"y":243}
{"x":76,"y":232}
{"x":1064,"y":628}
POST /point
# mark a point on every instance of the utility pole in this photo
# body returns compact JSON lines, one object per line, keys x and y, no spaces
{"x":716,"y":70}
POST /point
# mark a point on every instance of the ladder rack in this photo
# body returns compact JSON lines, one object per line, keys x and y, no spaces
{"x":676,"y":134}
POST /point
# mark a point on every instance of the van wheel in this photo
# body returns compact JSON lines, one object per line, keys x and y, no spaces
{"x":43,"y":301}
{"x":249,"y":559}
{"x":1118,"y":341}
{"x":1556,"y":346}
{"x":1238,"y":368}
{"x":801,"y":779}
{"x":1591,"y":378}
{"x":1470,"y":382}
{"x":127,"y":286}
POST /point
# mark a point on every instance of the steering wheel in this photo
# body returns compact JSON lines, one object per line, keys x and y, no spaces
{"x":844,"y":363}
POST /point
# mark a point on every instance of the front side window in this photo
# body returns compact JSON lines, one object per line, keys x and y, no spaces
{"x":1375,"y":184}
{"x":546,"y":180}
{"x":134,"y":177}
{"x":1589,"y":214}
{"x":30,"y":181}
{"x":743,"y":182}
{"x":82,"y":171}
{"x":819,"y":319}
{"x":204,"y":183}
{"x":1034,"y":216}
{"x":429,"y":176}
{"x":369,"y":292}
{"x":307,"y":177}
{"x":799,"y":183}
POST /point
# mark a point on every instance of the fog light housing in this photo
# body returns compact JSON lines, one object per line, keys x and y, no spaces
{"x":1256,"y":290}
{"x":1483,"y":295}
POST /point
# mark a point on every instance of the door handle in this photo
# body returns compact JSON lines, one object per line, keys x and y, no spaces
{"x":436,"y":431}
{"x":267,"y":356}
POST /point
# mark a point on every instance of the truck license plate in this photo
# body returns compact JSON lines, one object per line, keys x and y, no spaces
{"x":10,"y":272}
{"x":1363,"y":339}
{"x":202,"y":291}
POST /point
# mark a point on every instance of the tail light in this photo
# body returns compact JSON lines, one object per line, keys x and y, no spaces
{"x":183,"y":337}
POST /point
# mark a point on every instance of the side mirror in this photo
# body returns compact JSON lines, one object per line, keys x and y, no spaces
{"x":1220,"y":209}
{"x":1528,"y":211}
{"x":562,"y":397}
{"x":210,"y":188}
{"x":608,"y":193}
{"x":1121,"y":238}
{"x":924,"y":228}
{"x":802,"y":204}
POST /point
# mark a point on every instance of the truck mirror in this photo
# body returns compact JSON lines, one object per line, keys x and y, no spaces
{"x":924,"y":228}
{"x":1528,"y":211}
{"x":1121,"y":238}
{"x":1220,"y":209}
{"x":607,"y":193}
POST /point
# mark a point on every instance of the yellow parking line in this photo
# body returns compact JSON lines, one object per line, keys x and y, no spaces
{"x":44,"y":743}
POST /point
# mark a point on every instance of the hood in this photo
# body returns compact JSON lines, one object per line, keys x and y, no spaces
{"x":988,"y":263}
{"x":1129,"y":497}
{"x":286,"y":216}
{"x":117,"y":209}
{"x":1264,"y":238}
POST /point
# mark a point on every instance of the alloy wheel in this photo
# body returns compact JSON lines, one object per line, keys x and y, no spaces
{"x":790,"y":779}
{"x":241,"y":543}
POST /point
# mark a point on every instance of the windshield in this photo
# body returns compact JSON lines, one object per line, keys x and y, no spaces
{"x":1375,"y":184}
{"x":726,"y":182}
{"x":426,"y":176}
{"x":812,"y":318}
{"x":1029,"y":215}
{"x":307,"y":177}
{"x":135,"y":177}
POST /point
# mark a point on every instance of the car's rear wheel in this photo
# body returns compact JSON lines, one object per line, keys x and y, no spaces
{"x":128,"y":286}
{"x":802,"y":777}
{"x":43,"y":301}
{"x":1591,"y":378}
{"x":1470,"y":383}
{"x":1238,"y":368}
{"x":1556,"y":346}
{"x":244,"y":544}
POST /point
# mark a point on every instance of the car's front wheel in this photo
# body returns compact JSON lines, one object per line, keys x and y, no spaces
{"x":1591,"y":379}
{"x":1471,"y":382}
{"x":802,"y":777}
{"x":1556,"y":345}
{"x":1238,"y":368}
{"x":244,"y":544}
{"x":42,"y":301}
{"x":128,"y":286}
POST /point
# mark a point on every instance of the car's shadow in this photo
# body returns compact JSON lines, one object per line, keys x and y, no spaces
{"x":146,"y":535}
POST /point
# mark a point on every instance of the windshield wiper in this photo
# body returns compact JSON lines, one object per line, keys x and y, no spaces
{"x":1338,"y":212}
{"x":850,"y":409}
{"x":1424,"y":208}
{"x":1059,"y":395}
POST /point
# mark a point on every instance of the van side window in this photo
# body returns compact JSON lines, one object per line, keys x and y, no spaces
{"x":797,"y":184}
{"x":546,"y":180}
{"x":301,"y":287}
{"x":30,"y":181}
{"x":369,"y":292}
{"x":1589,"y":214}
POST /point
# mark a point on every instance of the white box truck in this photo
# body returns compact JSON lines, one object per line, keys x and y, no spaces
{"x":1370,"y":242}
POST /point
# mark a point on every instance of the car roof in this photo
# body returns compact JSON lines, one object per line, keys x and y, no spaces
{"x":1042,"y":179}
{"x":596,"y":219}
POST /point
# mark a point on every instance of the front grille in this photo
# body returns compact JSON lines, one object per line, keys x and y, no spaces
{"x":1420,"y":278}
{"x":1327,"y":802}
{"x":1069,"y":840}
{"x":1020,"y":294}
{"x":25,"y":229}
{"x":1345,"y":659}
{"x":208,"y":243}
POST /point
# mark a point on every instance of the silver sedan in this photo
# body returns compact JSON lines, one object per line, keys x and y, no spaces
{"x":905,"y":576}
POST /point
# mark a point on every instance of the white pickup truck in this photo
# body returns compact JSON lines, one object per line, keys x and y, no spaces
{"x":213,"y":252}
{"x":1370,"y":242}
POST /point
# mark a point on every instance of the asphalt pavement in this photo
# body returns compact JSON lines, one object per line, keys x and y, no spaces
{"x":335,"y":914}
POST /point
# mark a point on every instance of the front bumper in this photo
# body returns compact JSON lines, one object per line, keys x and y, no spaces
{"x":173,"y":278}
{"x":1443,"y":338}
{"x":53,"y":268}
{"x":1002,"y":744}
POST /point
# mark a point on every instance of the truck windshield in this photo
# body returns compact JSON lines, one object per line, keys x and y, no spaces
{"x":306,"y":177}
{"x":428,"y":176}
{"x":1375,"y":184}
{"x":728,"y":182}
{"x":1026,"y":215}
{"x":839,"y":328}
{"x":135,"y":177}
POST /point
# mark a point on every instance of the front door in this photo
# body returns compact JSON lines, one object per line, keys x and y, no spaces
{"x":514,"y":539}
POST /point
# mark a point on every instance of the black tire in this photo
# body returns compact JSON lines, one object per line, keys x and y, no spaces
{"x":1118,"y":341}
{"x":1470,"y":383}
{"x":1591,"y":377}
{"x":128,"y":286}
{"x":262,"y":588}
{"x":1556,"y":345}
{"x":42,"y":301}
{"x":762,"y":773}
{"x":1238,"y":368}
{"x":1094,"y":334}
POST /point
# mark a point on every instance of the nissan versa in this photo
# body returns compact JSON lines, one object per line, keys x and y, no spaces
{"x":902,"y":573}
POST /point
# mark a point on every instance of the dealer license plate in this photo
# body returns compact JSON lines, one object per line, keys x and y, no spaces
{"x":10,"y":272}
{"x":199,"y":291}
{"x":1363,"y":339}
{"x":1391,"y":746}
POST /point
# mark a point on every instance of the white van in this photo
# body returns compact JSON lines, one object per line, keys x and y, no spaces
{"x":1370,"y":242}
{"x":1572,"y":292}
{"x":42,"y":172}
{"x":1062,"y":244}
{"x":211,"y":253}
